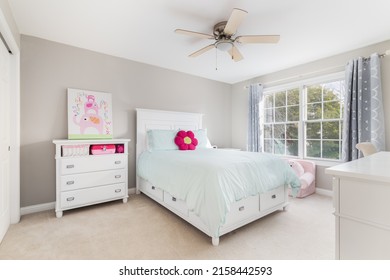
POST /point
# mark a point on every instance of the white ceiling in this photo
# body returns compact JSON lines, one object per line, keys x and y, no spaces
{"x":143,"y":30}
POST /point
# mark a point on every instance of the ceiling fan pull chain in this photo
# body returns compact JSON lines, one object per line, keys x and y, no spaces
{"x":216,"y":59}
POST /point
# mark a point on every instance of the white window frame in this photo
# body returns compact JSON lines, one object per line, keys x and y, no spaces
{"x":301,"y":126}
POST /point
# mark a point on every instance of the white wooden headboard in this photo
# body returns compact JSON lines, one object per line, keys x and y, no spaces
{"x":156,"y":119}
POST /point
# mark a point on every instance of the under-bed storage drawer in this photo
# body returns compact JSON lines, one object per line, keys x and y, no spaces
{"x":272,"y":198}
{"x":240,"y":210}
{"x":152,"y":191}
{"x":177,"y":204}
{"x":75,"y":198}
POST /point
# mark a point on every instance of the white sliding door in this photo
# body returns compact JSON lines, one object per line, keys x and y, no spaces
{"x":4,"y":140}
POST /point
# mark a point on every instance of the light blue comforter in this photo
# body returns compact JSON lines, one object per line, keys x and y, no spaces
{"x":209,"y":180}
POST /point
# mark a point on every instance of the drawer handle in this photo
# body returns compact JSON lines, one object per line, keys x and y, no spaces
{"x":117,"y":162}
{"x":118,"y":190}
{"x":117,"y":176}
{"x":242,"y":208}
{"x":70,"y":166}
{"x":70,"y":198}
{"x":273,"y":196}
{"x":153,"y":187}
{"x":173,"y":198}
{"x":70,"y":182}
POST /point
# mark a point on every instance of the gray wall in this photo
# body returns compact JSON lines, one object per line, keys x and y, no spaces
{"x":316,"y":68}
{"x":48,"y":69}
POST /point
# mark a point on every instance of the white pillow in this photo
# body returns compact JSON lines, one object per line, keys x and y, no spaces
{"x":203,"y":140}
{"x":161,"y":140}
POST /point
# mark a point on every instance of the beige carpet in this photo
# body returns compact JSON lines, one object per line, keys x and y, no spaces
{"x":142,"y":229}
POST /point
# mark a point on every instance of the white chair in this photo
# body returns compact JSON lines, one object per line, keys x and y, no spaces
{"x":367,"y":148}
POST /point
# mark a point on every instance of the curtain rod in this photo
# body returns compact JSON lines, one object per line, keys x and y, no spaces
{"x":386,"y":53}
{"x":338,"y":68}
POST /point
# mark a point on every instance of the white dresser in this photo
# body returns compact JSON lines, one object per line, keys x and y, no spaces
{"x":362,"y":207}
{"x":84,"y":179}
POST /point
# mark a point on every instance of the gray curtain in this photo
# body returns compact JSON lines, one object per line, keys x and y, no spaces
{"x":363,"y":109}
{"x":254,"y":132}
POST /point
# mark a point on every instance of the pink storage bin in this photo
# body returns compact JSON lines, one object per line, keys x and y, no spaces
{"x":120,"y":148}
{"x":102,"y":149}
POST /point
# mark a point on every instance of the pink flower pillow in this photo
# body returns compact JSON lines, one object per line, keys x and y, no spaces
{"x":186,"y":140}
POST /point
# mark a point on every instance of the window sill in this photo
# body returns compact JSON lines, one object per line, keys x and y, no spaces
{"x":319,"y":162}
{"x":327,"y":163}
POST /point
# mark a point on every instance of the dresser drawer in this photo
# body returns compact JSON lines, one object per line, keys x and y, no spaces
{"x":368,"y":201}
{"x":177,"y":204}
{"x":94,"y":195}
{"x":272,"y":198}
{"x":359,"y":241}
{"x":242,"y":209}
{"x":92,"y":163}
{"x":92,"y":179}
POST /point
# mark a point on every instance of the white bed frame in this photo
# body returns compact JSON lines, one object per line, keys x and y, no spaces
{"x":242,"y":212}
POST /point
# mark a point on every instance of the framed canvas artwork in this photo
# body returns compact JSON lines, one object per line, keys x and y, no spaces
{"x":89,"y":114}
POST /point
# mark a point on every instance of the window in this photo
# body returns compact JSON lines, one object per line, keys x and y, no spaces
{"x":281,"y":122}
{"x":323,"y":122}
{"x":305,"y":119}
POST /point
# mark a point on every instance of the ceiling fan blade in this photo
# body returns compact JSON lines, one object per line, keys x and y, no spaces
{"x":235,"y":54}
{"x":234,"y":21}
{"x":193,"y":33}
{"x":253,"y":39}
{"x":202,"y":50}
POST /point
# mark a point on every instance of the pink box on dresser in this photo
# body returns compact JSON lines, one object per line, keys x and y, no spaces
{"x":103,"y":149}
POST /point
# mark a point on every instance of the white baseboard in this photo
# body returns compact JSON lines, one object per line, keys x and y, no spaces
{"x":37,"y":208}
{"x":324,"y":192}
{"x":48,"y":206}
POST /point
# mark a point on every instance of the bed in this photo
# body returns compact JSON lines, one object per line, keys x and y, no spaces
{"x":215,"y":190}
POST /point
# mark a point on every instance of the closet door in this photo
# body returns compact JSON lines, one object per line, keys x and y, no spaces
{"x":4,"y":140}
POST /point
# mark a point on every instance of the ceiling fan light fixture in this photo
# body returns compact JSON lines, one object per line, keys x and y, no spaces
{"x":224,"y":45}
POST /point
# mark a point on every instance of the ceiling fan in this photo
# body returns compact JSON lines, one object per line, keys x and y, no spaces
{"x":223,"y":33}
